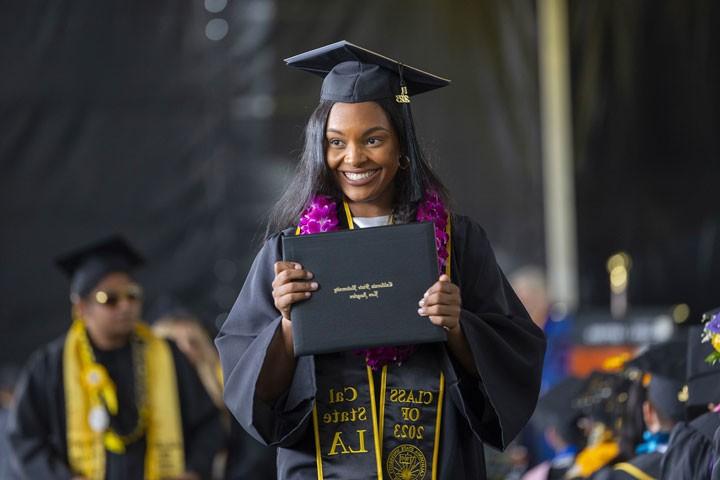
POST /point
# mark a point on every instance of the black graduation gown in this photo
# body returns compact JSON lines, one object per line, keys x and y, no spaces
{"x":246,"y":458}
{"x":716,"y":455}
{"x":648,"y":464}
{"x":506,"y":346}
{"x":37,"y":425}
{"x":690,"y":452}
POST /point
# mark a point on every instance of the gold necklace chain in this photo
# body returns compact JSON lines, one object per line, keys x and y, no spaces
{"x":137,"y":348}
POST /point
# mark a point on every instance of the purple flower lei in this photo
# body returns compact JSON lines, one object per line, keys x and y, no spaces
{"x":321,"y":216}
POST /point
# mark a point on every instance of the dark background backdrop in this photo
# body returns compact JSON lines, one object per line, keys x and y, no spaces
{"x":159,"y":121}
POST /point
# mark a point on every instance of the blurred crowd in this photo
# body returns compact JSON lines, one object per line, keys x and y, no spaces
{"x":648,"y":415}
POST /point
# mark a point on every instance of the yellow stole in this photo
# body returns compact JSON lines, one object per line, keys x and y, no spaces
{"x":88,"y":387}
{"x":599,"y":452}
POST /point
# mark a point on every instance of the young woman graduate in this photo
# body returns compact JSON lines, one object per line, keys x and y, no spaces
{"x":418,"y":412}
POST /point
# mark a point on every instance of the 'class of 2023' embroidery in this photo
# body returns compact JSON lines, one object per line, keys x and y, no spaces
{"x":393,"y":434}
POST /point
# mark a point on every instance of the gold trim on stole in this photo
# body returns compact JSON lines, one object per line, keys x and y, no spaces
{"x":438,"y":420}
{"x":318,"y":452}
{"x":348,"y":214}
{"x":377,"y":435}
{"x":633,"y":471}
{"x":383,"y":386}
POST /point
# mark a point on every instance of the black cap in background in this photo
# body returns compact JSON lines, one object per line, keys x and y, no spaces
{"x":666,"y":363}
{"x":87,"y":265}
{"x":604,"y":396}
{"x":555,"y":409}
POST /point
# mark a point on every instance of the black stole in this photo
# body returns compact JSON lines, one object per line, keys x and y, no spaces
{"x":378,"y":426}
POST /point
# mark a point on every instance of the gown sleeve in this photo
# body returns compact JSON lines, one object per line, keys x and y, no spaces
{"x":243,"y":341}
{"x":507,"y":347}
{"x":716,"y":455}
{"x":202,"y":428}
{"x":31,"y":431}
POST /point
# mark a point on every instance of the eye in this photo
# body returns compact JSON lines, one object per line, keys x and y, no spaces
{"x":335,"y":142}
{"x":374,"y":141}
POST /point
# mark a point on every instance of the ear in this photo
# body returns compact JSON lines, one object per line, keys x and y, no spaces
{"x":79,"y":306}
{"x":649,"y":414}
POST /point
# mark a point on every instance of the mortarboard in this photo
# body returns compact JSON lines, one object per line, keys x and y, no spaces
{"x":603,"y":396}
{"x":666,"y":363}
{"x":554,"y":408}
{"x":87,"y":265}
{"x":354,"y":74}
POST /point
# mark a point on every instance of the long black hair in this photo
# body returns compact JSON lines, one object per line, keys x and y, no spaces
{"x":632,"y":425}
{"x":312,"y":175}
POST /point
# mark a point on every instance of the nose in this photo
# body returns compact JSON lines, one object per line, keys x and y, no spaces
{"x":354,"y":155}
{"x":125,"y":304}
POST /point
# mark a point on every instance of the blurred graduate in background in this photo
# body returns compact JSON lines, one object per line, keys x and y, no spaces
{"x":612,"y":421}
{"x":663,"y":377}
{"x":109,"y":399}
{"x":559,"y":422}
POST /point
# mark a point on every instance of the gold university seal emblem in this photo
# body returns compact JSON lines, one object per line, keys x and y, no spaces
{"x":406,"y":462}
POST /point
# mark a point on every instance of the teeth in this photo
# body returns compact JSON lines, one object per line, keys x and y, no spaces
{"x":359,"y":176}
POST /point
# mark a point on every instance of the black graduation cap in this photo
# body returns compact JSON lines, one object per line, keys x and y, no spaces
{"x":703,"y":379}
{"x":555,"y":408}
{"x":354,"y":74}
{"x":603,"y":396}
{"x":667,"y":364}
{"x":87,"y":265}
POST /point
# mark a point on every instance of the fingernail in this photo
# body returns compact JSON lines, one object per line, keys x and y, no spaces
{"x":421,"y":311}
{"x":307,"y":294}
{"x":421,"y":302}
{"x":309,"y":275}
{"x":425,"y":295}
{"x":298,"y":266}
{"x":314,"y":285}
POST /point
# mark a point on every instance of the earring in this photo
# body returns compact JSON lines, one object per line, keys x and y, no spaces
{"x":407,"y":162}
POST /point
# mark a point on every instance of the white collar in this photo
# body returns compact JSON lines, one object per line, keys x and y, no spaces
{"x":365,"y":222}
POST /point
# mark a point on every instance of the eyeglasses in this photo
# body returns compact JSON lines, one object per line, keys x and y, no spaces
{"x":110,"y":298}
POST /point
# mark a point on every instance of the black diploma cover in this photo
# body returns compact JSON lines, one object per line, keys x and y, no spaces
{"x":370,"y":280}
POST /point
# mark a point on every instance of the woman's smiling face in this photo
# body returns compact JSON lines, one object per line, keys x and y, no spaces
{"x":363,"y":152}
